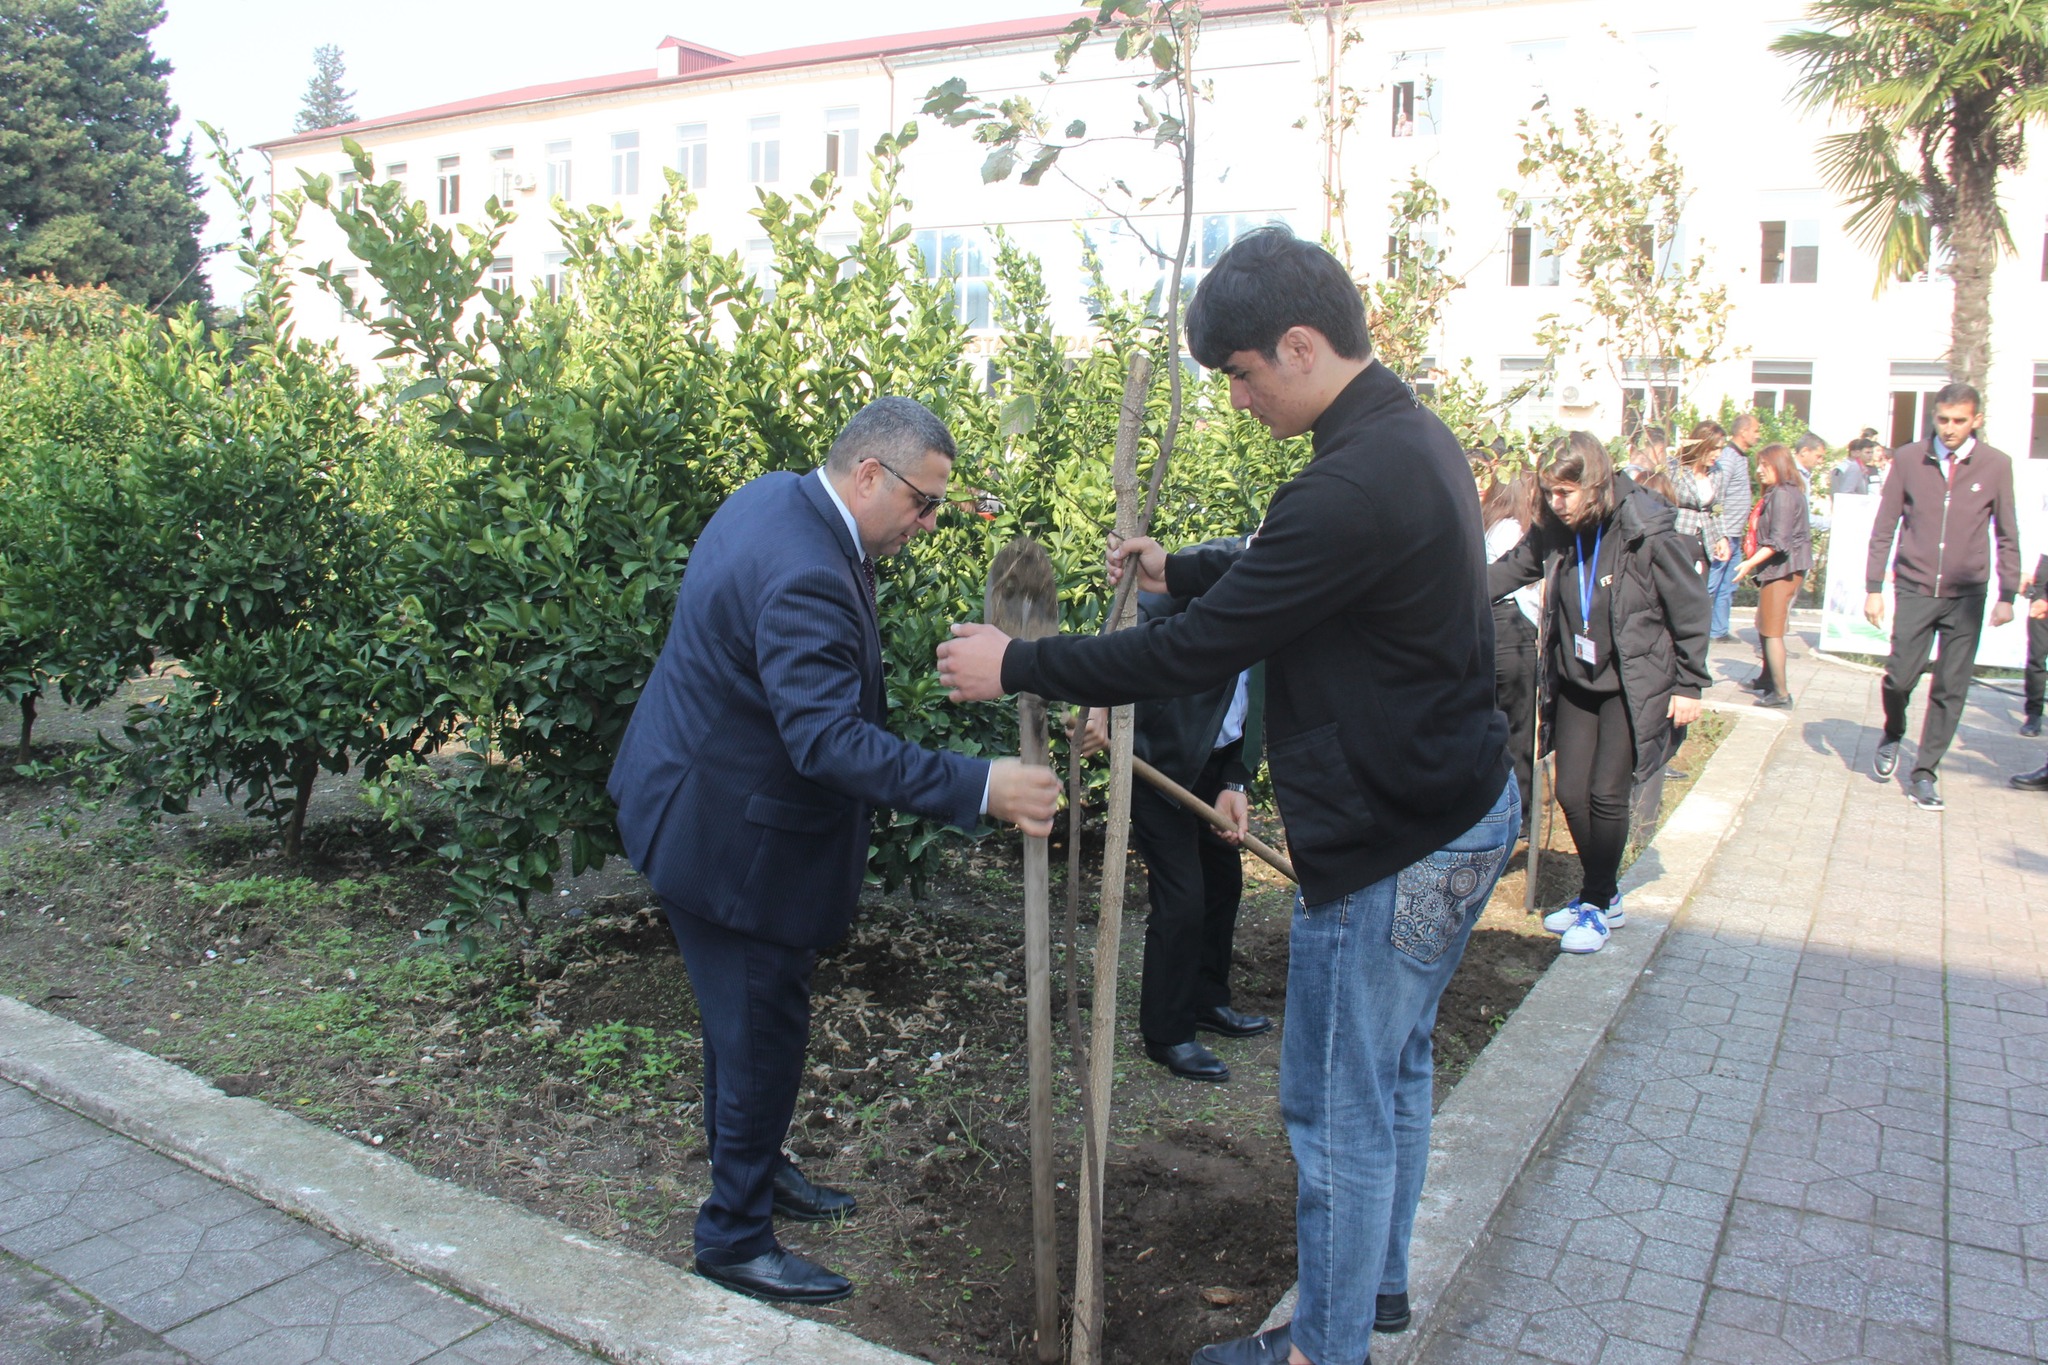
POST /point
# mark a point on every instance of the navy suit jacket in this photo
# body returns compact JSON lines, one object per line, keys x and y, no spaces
{"x":746,"y":775}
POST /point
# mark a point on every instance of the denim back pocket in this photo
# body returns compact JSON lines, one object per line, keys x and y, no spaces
{"x":1433,"y":897}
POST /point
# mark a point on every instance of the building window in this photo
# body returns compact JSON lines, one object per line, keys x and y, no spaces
{"x":348,"y":279}
{"x":960,"y":257}
{"x":1525,"y":380}
{"x":625,"y":163}
{"x":764,"y":149}
{"x":349,"y":178}
{"x":500,"y":277}
{"x":502,"y":174}
{"x":2037,"y":449}
{"x":693,"y":153}
{"x":1422,"y":246}
{"x":558,"y":170}
{"x":842,"y":142}
{"x":451,"y":184}
{"x":1418,"y":94}
{"x":759,"y":261}
{"x":1533,"y":258}
{"x":554,"y":270}
{"x":1914,"y":384}
{"x":1649,"y":392}
{"x":1783,"y":386}
{"x":1791,"y":251}
{"x":395,"y":171}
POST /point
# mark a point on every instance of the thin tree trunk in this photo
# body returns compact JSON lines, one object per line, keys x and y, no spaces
{"x":1088,"y":1281}
{"x":1973,"y":243}
{"x":28,"y":726}
{"x":304,"y":770}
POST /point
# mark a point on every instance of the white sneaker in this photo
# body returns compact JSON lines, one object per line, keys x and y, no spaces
{"x":1557,"y":921}
{"x":1588,"y":933}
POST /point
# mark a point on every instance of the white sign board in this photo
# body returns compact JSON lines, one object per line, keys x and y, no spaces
{"x":1843,"y":629}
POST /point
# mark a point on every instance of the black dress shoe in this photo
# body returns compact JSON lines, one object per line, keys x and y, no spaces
{"x":798,"y":1200}
{"x":2036,"y":781}
{"x":1773,"y":701}
{"x":779,"y":1276}
{"x":1887,"y":761}
{"x":1390,"y":1313}
{"x":2030,"y":728}
{"x":1267,"y":1348}
{"x":1228,"y":1022}
{"x":1189,"y":1060}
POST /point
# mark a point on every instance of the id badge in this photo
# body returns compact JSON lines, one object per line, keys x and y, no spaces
{"x":1582,"y":647}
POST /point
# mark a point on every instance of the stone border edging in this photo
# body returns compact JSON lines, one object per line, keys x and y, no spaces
{"x":1503,"y":1110}
{"x":625,"y":1305}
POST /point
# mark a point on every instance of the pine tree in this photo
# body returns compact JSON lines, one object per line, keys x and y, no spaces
{"x":326,"y":103}
{"x":90,"y":190}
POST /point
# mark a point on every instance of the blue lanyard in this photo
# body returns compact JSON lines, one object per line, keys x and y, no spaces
{"x":1586,"y":577}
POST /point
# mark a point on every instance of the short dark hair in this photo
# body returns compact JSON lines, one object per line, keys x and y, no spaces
{"x":1809,"y":441}
{"x":890,"y":427}
{"x":1959,"y":393}
{"x":1267,"y":282}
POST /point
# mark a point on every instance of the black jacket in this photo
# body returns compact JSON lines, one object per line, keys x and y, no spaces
{"x":1784,"y":525}
{"x":1365,"y":592}
{"x":1178,"y":734}
{"x":1659,"y":602}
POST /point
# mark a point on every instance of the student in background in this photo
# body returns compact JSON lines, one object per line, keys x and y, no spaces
{"x":1778,"y":549}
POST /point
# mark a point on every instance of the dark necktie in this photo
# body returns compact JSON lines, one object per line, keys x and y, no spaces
{"x":867,"y":573}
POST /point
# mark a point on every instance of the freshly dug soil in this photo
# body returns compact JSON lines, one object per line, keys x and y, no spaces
{"x":559,"y":1069}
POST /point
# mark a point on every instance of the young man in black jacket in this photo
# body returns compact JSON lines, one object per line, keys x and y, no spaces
{"x":1365,"y":593}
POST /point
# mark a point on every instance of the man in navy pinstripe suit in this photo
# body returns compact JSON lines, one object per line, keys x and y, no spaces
{"x":744,"y":785}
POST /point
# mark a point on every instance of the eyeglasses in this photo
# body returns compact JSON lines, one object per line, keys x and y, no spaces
{"x":927,"y":503}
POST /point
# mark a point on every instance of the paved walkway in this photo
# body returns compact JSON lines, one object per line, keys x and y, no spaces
{"x":1819,"y":1129}
{"x":112,"y":1254}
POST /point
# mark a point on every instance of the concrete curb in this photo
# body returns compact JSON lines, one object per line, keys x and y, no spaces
{"x":624,"y":1305}
{"x":1506,"y":1106}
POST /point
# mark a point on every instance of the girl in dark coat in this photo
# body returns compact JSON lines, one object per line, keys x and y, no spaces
{"x":1779,"y":551}
{"x":1626,"y":614}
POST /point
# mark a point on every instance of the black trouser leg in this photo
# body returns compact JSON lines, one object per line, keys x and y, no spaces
{"x":754,"y":999}
{"x":1596,"y":759}
{"x":1913,"y":619}
{"x":1514,"y":692}
{"x":2037,"y":661}
{"x":1960,"y":622}
{"x":1187,"y":934}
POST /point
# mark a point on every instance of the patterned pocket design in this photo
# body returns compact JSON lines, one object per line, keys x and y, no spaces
{"x":1434,"y":895}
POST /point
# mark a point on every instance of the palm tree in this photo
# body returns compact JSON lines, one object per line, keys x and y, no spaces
{"x":1950,"y":85}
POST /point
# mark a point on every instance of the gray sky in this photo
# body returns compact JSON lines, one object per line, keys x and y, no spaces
{"x":242,"y":65}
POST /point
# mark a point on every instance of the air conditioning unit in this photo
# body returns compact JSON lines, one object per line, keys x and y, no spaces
{"x":524,"y":180}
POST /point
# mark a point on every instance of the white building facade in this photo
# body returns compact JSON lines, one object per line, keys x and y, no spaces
{"x":1441,"y":87}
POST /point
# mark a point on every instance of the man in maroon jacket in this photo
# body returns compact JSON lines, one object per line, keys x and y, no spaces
{"x":1942,"y":496}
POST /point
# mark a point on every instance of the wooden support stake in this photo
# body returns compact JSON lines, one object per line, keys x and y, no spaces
{"x":1116,"y":844}
{"x":1023,"y":602}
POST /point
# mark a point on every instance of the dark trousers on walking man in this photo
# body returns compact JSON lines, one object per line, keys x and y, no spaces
{"x":1948,"y":627}
{"x":1196,"y":882}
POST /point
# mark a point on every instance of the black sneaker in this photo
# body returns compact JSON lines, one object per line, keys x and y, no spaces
{"x":1887,"y":761}
{"x":1923,"y":794}
{"x":2031,"y":727}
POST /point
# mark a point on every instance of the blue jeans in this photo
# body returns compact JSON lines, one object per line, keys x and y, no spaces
{"x":1364,"y":975}
{"x":1721,"y":586}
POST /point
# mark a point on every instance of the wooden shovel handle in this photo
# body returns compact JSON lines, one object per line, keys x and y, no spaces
{"x":1215,"y":817}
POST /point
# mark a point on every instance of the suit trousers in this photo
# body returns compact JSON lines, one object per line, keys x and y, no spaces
{"x":1917,"y":622}
{"x":754,"y":999}
{"x":1195,"y":882}
{"x":2037,"y":661}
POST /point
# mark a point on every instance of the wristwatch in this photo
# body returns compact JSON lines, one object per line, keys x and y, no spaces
{"x":1237,"y":787}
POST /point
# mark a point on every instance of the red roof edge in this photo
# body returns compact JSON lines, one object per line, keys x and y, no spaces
{"x":713,"y":63}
